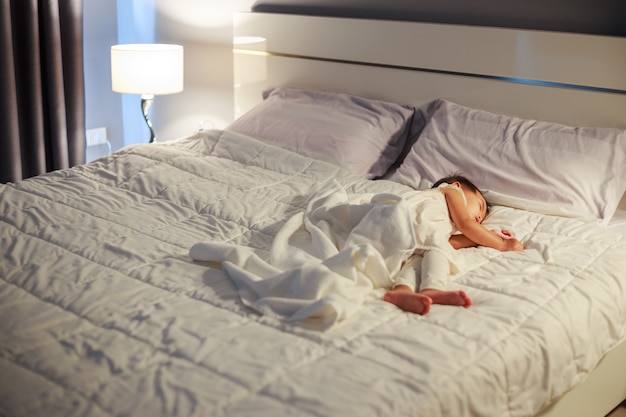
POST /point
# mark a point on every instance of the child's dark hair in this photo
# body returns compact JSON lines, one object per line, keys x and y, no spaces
{"x":463,"y":181}
{"x":457,"y":178}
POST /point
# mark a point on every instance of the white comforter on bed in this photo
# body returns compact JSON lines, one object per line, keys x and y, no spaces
{"x":103,"y":312}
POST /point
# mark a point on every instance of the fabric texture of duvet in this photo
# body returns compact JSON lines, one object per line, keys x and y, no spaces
{"x":103,"y":312}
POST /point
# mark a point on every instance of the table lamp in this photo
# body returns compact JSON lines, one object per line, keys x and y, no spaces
{"x":149,"y":70}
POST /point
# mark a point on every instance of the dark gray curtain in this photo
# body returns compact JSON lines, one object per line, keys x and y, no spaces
{"x":42,"y":93}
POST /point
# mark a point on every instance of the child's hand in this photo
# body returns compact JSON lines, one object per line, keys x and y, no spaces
{"x":510,"y":243}
{"x":504,"y":234}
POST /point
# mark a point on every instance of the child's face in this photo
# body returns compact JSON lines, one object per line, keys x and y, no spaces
{"x":476,"y":205}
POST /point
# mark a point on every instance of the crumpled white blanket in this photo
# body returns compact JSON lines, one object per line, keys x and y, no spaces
{"x":324,"y":262}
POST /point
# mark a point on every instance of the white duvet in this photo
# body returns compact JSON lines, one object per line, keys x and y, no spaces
{"x":103,"y":312}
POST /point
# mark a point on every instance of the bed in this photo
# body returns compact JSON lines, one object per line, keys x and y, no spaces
{"x":107,"y":309}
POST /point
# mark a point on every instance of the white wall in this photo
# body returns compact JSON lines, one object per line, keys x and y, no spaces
{"x":203,"y":27}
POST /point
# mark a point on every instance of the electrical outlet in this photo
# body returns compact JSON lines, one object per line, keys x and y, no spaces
{"x":97,"y":136}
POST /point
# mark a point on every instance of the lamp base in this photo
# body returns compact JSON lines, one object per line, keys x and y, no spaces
{"x":146,"y":103}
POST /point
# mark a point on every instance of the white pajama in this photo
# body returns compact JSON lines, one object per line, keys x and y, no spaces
{"x":429,"y":270}
{"x":435,"y":259}
{"x":410,"y":273}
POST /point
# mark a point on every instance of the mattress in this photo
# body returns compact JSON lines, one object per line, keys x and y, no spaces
{"x":103,"y":312}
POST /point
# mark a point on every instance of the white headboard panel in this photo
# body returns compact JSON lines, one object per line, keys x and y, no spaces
{"x":561,"y":77}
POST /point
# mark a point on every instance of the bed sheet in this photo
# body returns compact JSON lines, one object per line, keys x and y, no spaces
{"x":102,"y":312}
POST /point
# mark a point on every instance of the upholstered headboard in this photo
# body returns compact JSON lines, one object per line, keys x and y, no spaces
{"x":573,"y":79}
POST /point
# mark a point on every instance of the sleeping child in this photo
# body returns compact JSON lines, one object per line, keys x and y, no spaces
{"x":465,"y":208}
{"x":325,"y":261}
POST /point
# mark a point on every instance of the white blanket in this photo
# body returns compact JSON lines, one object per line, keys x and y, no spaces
{"x":325,"y":261}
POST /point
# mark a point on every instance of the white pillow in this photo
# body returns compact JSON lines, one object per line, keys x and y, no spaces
{"x":363,"y":135}
{"x":583,"y":170}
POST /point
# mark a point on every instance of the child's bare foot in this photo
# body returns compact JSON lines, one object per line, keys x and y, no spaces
{"x":409,"y":301}
{"x":451,"y":298}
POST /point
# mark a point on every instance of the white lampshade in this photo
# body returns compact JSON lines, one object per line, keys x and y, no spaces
{"x":147,"y":68}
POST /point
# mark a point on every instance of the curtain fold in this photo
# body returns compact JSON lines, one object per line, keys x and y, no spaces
{"x":42,"y":106}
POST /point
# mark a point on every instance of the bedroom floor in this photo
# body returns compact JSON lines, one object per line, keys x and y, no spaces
{"x":619,"y":412}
